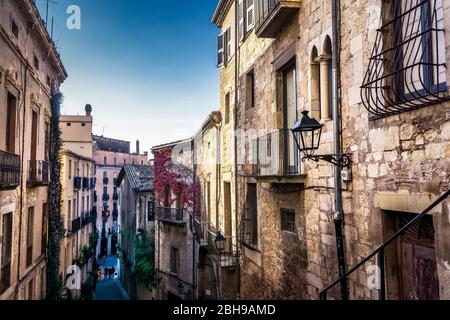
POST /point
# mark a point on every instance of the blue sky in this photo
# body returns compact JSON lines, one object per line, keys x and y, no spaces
{"x":146,"y":66}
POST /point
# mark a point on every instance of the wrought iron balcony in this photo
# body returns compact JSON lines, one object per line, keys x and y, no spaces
{"x":38,"y":172}
{"x":85,"y":183}
{"x":77,"y":183}
{"x":272,"y":15}
{"x":105,"y":197}
{"x":95,"y":197}
{"x":85,"y":218}
{"x":76,"y":225}
{"x":9,"y":170}
{"x":92,"y":183}
{"x":171,"y":215}
{"x":115,"y":211}
{"x":115,"y":196}
{"x":276,"y":155}
{"x":105,"y":180}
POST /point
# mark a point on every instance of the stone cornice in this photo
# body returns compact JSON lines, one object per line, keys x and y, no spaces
{"x":221,"y":12}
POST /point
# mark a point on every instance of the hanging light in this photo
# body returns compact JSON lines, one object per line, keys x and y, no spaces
{"x":219,"y":242}
{"x":307,"y":133}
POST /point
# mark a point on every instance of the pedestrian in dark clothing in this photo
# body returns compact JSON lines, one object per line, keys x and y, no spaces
{"x":113,"y":271}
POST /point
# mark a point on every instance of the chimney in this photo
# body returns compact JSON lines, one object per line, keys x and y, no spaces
{"x":88,"y":109}
{"x":137,"y":147}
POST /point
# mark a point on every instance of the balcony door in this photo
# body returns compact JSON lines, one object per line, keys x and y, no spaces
{"x":290,"y":118}
{"x":11,"y":124}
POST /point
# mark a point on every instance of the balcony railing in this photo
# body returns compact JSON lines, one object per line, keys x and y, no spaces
{"x":115,"y":196}
{"x":77,"y":181}
{"x":39,"y":172}
{"x":275,"y":154}
{"x":86,"y":218}
{"x":115,"y":211}
{"x":9,"y":170}
{"x":85,"y":183}
{"x":95,"y":197}
{"x":92,"y":183}
{"x":76,"y":225}
{"x":272,"y":15}
{"x":105,"y":197}
{"x":105,"y":180}
{"x":171,"y":215}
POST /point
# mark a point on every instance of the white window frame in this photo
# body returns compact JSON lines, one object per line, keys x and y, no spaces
{"x":251,"y":8}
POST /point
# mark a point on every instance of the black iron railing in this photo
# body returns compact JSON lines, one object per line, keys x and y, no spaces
{"x":115,"y":196}
{"x":9,"y":170}
{"x":92,"y":183}
{"x":38,"y":172}
{"x":173,"y":215}
{"x":275,"y":154}
{"x":95,"y":197}
{"x":85,"y":184}
{"x":379,"y":254}
{"x":105,"y":197}
{"x":105,"y":180}
{"x":77,"y":181}
{"x":201,"y":229}
{"x":85,"y":218}
{"x":407,"y":68}
{"x":248,"y":236}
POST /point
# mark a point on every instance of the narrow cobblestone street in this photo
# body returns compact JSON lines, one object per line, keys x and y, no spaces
{"x":109,"y":288}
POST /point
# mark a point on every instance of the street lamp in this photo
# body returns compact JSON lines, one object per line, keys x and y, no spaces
{"x":307,"y":133}
{"x":219,"y":242}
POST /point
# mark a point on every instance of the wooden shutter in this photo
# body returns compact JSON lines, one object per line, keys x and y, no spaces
{"x":220,"y":50}
{"x":241,"y":20}
{"x":250,"y":14}
{"x":229,"y":45}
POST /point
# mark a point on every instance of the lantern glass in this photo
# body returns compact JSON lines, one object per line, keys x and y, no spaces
{"x":220,"y":242}
{"x":307,"y":133}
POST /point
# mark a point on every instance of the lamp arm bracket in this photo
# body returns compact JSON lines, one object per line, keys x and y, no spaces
{"x":340,"y":160}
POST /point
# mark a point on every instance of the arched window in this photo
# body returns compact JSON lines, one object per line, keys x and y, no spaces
{"x":314,"y":80}
{"x":326,"y":79}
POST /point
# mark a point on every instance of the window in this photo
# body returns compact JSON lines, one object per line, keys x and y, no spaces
{"x":250,"y":14}
{"x":36,"y":62}
{"x":30,"y":234}
{"x":227,"y":107}
{"x":151,"y":211}
{"x":69,"y":212}
{"x":14,"y":29}
{"x":69,"y":124}
{"x":44,"y":228}
{"x":34,"y":135}
{"x":11,"y":123}
{"x":220,"y":50}
{"x":250,"y":223}
{"x":174,"y":261}
{"x":115,"y":161}
{"x":287,"y":220}
{"x":105,"y":190}
{"x":407,"y":69}
{"x":104,"y":160}
{"x":105,"y":174}
{"x":250,"y":90}
{"x":47,"y":141}
{"x":241,"y":20}
{"x":83,"y":124}
{"x":228,"y":45}
{"x":6,"y":250}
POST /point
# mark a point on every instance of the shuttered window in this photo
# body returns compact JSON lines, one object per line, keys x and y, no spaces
{"x":241,"y":20}
{"x":250,"y":14}
{"x":220,"y":50}
{"x":229,"y":45}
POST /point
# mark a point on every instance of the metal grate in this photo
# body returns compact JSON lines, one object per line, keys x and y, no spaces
{"x":407,"y":67}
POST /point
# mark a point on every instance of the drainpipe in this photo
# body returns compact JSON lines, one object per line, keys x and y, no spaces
{"x":339,"y":213}
{"x":236,"y":84}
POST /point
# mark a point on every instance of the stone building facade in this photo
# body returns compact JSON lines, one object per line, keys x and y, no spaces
{"x":174,"y":207}
{"x":30,"y":69}
{"x":400,"y":163}
{"x":137,"y":220}
{"x":78,"y":209}
{"x":110,"y":156}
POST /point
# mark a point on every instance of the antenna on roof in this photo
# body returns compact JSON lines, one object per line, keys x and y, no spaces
{"x":46,"y":11}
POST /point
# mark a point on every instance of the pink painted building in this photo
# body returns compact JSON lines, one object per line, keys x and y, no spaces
{"x":110,"y":156}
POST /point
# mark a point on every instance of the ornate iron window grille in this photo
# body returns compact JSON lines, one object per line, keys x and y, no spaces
{"x":407,"y":68}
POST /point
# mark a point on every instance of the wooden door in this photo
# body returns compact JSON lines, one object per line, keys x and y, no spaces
{"x":419,"y":278}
